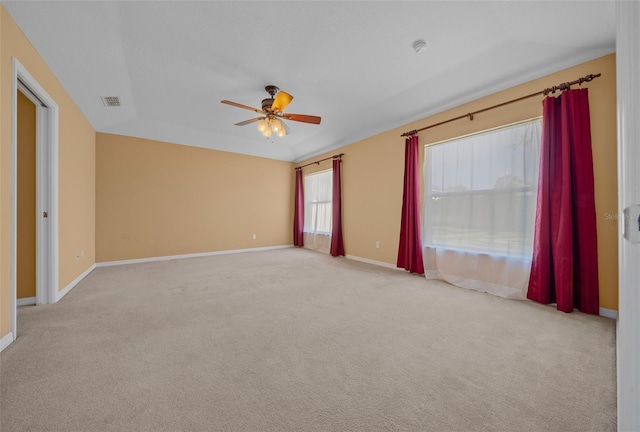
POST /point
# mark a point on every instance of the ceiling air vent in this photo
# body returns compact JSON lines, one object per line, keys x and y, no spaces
{"x":110,"y":101}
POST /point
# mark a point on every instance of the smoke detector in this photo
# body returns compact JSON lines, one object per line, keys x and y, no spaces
{"x":419,"y":46}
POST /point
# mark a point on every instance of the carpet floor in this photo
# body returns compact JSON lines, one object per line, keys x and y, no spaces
{"x":294,"y":340}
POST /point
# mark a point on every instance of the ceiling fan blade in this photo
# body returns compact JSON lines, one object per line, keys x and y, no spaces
{"x":235,"y":104}
{"x":246,"y":122}
{"x":302,"y":118}
{"x":281,"y":101}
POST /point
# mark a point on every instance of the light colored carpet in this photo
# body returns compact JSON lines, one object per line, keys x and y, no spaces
{"x":294,"y":340}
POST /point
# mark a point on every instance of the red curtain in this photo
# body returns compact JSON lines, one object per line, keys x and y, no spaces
{"x":337,"y":245}
{"x":565,"y":258}
{"x":410,"y":248}
{"x":298,"y":211}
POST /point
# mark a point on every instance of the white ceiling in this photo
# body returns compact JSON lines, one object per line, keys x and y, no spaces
{"x":350,"y":62}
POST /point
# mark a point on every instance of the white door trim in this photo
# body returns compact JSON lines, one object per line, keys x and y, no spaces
{"x":47,"y":118}
{"x":628,"y":325}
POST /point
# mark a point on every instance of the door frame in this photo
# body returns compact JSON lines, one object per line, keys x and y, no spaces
{"x":628,"y":110}
{"x":47,"y":126}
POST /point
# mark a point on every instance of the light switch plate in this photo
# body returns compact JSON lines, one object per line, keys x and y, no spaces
{"x":632,"y":223}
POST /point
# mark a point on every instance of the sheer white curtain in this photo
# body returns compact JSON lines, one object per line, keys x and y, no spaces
{"x":479,"y":209}
{"x":317,"y":211}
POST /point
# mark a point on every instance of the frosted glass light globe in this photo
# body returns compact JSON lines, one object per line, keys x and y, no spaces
{"x":276,"y":125}
{"x":263,"y":125}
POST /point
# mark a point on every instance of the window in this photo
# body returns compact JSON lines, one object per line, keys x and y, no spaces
{"x":317,"y":202}
{"x":481,"y":191}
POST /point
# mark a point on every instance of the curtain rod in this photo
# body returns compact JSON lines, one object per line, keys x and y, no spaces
{"x":321,"y":160}
{"x":561,"y":87}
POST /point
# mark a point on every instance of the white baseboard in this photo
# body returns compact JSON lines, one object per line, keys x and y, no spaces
{"x":194,"y":255}
{"x":6,"y":341}
{"x":604,"y":312}
{"x":608,"y":313}
{"x":374,"y":262}
{"x":73,"y":283}
{"x":27,"y":301}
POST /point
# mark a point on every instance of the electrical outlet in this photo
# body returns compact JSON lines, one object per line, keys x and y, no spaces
{"x":81,"y":253}
{"x":377,"y":245}
{"x":254,"y":236}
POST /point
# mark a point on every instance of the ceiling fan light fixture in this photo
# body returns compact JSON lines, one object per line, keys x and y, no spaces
{"x":276,"y":125}
{"x":271,"y":123}
{"x":263,"y":125}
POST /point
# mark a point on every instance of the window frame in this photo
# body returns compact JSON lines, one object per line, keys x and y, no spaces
{"x":429,"y":195}
{"x":316,"y":204}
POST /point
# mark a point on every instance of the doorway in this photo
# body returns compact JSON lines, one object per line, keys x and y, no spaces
{"x":26,"y":199}
{"x":42,"y":224}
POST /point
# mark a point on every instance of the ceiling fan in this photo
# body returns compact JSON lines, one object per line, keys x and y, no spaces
{"x":272,"y":113}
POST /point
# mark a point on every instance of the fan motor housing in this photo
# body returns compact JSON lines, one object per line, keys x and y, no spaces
{"x":266,"y":104}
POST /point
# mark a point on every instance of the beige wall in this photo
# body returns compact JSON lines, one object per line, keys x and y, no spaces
{"x":373,"y":168}
{"x":76,"y":165}
{"x":160,"y":199}
{"x":26,"y":247}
